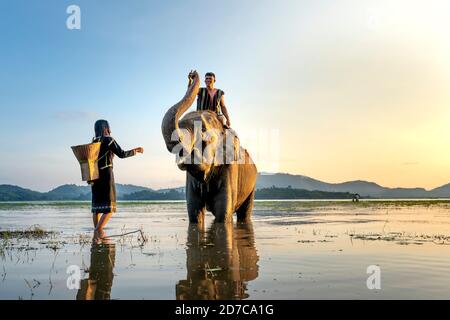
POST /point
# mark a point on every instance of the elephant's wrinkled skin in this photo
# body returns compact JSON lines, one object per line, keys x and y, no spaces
{"x":222,"y":188}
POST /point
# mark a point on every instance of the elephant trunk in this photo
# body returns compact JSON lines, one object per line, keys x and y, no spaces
{"x":172,"y":116}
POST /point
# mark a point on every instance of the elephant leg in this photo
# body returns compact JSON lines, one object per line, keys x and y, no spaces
{"x":223,"y":209}
{"x":195,"y":205}
{"x":196,"y":214}
{"x":196,"y":210}
{"x":244,"y":213}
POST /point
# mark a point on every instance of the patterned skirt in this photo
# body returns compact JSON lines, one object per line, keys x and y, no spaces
{"x":104,"y":192}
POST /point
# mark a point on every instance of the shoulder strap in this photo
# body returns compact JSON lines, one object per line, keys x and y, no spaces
{"x":107,"y":151}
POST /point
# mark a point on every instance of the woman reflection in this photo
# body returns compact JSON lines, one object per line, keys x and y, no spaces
{"x":98,"y":285}
{"x":219,"y":262}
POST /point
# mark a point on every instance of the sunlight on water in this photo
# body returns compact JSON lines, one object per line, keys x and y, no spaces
{"x":292,"y":250}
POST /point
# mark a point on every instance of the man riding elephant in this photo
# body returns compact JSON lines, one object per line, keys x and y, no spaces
{"x":210,"y":98}
{"x":220,"y":174}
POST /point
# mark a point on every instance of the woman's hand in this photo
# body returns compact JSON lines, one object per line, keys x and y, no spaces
{"x":139,"y":150}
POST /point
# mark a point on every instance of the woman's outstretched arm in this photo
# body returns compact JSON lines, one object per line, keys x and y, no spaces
{"x":118,"y":151}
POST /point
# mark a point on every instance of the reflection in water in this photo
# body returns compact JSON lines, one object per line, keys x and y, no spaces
{"x":219,"y":262}
{"x":98,"y":285}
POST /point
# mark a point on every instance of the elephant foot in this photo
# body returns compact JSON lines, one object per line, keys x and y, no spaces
{"x":227,"y":218}
{"x":198,"y":224}
{"x":244,"y":219}
{"x":244,"y":213}
{"x":197,"y":218}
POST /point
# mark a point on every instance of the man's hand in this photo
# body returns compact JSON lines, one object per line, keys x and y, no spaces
{"x":139,"y":150}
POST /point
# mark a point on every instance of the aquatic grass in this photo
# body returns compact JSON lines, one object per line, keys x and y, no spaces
{"x":367,"y":203}
{"x":22,"y":241}
{"x":402,"y":238}
{"x":15,"y":244}
{"x":34,"y":232}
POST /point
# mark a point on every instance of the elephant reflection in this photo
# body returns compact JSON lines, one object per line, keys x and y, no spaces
{"x":98,"y":285}
{"x":219,"y":262}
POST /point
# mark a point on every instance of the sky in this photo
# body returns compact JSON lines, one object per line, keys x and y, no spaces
{"x":334,"y":90}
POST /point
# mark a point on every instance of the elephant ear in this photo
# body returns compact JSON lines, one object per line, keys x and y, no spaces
{"x":232,"y":148}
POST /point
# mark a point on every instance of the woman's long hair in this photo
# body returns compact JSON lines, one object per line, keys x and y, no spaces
{"x":99,"y":128}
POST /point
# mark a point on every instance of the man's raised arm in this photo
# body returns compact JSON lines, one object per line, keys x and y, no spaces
{"x":225,"y":111}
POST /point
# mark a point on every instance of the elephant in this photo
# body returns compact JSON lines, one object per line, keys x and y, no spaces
{"x":220,"y":262}
{"x":220,"y":174}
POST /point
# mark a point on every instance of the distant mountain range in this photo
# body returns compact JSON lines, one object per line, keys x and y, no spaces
{"x":363,"y":188}
{"x":136,"y":193}
{"x":64,"y":192}
{"x":269,"y":186}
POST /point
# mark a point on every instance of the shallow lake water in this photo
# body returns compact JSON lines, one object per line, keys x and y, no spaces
{"x":291,"y":250}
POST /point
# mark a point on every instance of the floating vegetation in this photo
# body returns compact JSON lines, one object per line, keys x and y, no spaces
{"x":403,"y":238}
{"x":23,"y":240}
{"x":304,"y":205}
{"x":314,"y":241}
{"x":33,"y":233}
{"x":15,"y":242}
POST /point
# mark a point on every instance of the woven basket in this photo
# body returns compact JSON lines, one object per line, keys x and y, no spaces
{"x":87,"y":156}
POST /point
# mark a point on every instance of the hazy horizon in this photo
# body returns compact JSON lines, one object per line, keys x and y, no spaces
{"x":356,"y":90}
{"x":182,"y":185}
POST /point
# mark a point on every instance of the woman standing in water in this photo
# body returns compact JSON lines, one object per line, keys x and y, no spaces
{"x":103,"y":188}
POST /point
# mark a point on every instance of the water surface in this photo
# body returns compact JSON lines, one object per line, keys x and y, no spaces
{"x":291,"y":250}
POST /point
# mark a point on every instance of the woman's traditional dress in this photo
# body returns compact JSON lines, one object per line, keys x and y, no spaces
{"x":104,"y":189}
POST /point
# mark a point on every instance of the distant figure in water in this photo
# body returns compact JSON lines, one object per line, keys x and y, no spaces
{"x":356,"y":197}
{"x":104,"y":189}
{"x":212,"y":99}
